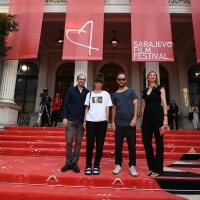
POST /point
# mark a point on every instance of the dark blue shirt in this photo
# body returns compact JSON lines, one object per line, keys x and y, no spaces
{"x":74,"y":108}
{"x":124,"y":106}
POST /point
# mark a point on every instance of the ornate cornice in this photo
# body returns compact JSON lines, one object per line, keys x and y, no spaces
{"x":111,"y":6}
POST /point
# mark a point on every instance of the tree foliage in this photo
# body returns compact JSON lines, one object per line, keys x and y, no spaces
{"x":7,"y":26}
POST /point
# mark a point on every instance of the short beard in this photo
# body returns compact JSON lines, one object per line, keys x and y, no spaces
{"x":121,"y":86}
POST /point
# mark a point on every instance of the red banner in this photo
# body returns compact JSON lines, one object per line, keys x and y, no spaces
{"x":195,"y":7}
{"x":83,"y":35}
{"x":151,"y":31}
{"x":25,"y":42}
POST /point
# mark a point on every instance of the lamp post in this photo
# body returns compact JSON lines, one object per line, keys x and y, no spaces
{"x":114,"y":41}
{"x":60,"y":40}
{"x":23,"y":68}
{"x":197,"y":74}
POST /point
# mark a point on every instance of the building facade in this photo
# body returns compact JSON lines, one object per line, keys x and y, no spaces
{"x":20,"y":90}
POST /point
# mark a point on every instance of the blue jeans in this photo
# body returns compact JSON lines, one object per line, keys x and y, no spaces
{"x":73,"y":129}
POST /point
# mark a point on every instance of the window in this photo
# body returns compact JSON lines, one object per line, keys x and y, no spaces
{"x":194,"y":83}
{"x":26,"y":87}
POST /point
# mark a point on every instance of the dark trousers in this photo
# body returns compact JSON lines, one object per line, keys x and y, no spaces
{"x":95,"y":131}
{"x":154,"y":162}
{"x":130,"y":133}
{"x":74,"y":131}
{"x":172,"y":118}
{"x":54,"y":117}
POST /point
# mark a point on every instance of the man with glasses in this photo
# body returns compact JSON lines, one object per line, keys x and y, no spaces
{"x":73,"y":117}
{"x":124,"y":117}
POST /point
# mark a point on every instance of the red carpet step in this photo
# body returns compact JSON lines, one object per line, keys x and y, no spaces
{"x":48,"y":141}
{"x":43,"y":173}
{"x":31,"y":159}
{"x":29,"y":192}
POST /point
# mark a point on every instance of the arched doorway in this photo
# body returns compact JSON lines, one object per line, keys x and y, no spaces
{"x":194,"y":84}
{"x":110,"y":71}
{"x":164,"y":80}
{"x":64,"y":78}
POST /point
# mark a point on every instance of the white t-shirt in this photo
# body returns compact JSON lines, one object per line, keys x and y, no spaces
{"x":195,"y":112}
{"x":98,"y":104}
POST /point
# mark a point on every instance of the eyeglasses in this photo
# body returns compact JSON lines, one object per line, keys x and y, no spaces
{"x":121,"y":79}
{"x":82,"y":79}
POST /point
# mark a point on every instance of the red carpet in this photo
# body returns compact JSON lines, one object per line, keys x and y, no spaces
{"x":31,"y":158}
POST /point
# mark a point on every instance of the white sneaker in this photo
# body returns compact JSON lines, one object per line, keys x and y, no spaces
{"x":133,"y":171}
{"x":117,"y":169}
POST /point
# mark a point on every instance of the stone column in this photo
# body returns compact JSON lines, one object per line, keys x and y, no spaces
{"x":8,"y":81}
{"x":8,"y":109}
{"x":42,"y":83}
{"x":42,"y":79}
{"x":1,"y":69}
{"x":90,"y":76}
{"x":183,"y":84}
{"x":51,"y":85}
{"x":135,"y":74}
{"x":135,"y":84}
{"x":184,"y":102}
{"x":153,"y":66}
{"x":81,"y":67}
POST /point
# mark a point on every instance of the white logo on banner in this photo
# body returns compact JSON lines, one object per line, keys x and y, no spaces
{"x":145,"y":49}
{"x":83,"y":31}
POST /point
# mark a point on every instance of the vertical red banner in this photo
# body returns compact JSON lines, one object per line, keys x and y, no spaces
{"x":195,"y":8}
{"x":151,"y":31}
{"x":25,"y":42}
{"x":83,"y":35}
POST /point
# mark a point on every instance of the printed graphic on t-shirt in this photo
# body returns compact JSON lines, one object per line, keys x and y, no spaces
{"x":97,"y":100}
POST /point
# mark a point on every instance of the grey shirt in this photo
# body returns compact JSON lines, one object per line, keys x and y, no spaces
{"x":124,"y":106}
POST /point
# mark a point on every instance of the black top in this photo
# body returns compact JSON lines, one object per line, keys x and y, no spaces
{"x":154,"y":97}
{"x":73,"y":107}
{"x":153,"y":111}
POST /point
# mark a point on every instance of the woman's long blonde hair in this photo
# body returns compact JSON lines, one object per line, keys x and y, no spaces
{"x":156,"y":82}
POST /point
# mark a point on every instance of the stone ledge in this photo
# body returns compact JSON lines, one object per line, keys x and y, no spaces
{"x":8,"y":114}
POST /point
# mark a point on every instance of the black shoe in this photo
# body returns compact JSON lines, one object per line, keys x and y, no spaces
{"x":66,"y":167}
{"x":96,"y":171}
{"x":75,"y":168}
{"x":88,"y":170}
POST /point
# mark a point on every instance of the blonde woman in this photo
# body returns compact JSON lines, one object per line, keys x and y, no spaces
{"x":154,"y":116}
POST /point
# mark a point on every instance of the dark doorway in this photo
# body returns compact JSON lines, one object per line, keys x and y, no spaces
{"x":110,"y":71}
{"x":64,"y":80}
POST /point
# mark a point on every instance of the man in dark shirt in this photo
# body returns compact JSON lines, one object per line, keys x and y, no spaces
{"x":73,"y":117}
{"x":173,"y":114}
{"x":124,"y":117}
